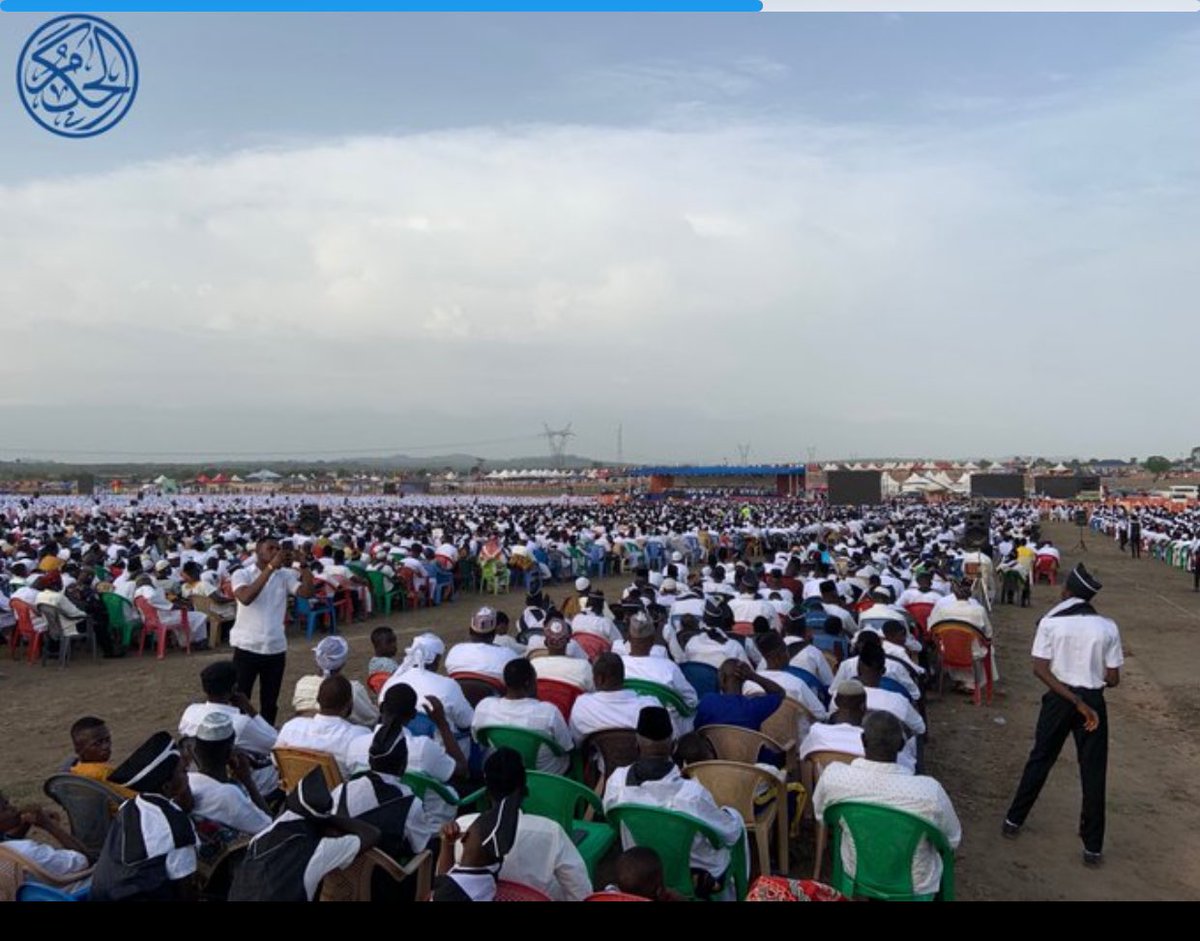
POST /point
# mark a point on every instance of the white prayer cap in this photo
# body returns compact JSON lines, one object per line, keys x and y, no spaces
{"x":215,"y":727}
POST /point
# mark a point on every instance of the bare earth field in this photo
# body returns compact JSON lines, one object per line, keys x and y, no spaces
{"x":1153,"y":844}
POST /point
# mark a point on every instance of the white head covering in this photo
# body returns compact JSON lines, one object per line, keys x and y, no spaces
{"x":424,"y":649}
{"x":331,"y":654}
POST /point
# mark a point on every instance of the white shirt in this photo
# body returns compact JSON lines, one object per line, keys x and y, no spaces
{"x":746,"y":608}
{"x":889,"y":785}
{"x":331,"y":734}
{"x":474,"y":657}
{"x":1080,"y":647}
{"x":587,"y":623}
{"x":426,"y":755}
{"x":826,"y":736}
{"x":542,"y":857}
{"x":795,"y":689}
{"x":59,"y":863}
{"x":848,"y":670}
{"x":703,"y":649}
{"x":848,"y":624}
{"x":532,"y":714}
{"x":659,"y":669}
{"x":258,"y":627}
{"x":426,"y":683}
{"x":811,"y":658}
{"x":251,"y":734}
{"x":615,"y":709}
{"x":225,"y":803}
{"x":883,"y":700}
{"x":570,"y":670}
{"x":675,"y":792}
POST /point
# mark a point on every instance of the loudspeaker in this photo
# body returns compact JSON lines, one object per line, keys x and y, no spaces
{"x":1081,"y":518}
{"x":309,"y":519}
{"x":977,"y":531}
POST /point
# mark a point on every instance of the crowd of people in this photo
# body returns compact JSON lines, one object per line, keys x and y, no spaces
{"x":807,"y":624}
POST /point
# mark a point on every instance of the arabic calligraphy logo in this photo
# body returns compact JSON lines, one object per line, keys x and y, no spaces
{"x":77,"y":76}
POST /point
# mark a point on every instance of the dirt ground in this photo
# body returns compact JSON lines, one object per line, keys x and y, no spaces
{"x":1152,"y":851}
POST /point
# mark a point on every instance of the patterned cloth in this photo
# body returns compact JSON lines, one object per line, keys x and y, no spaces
{"x":780,"y":889}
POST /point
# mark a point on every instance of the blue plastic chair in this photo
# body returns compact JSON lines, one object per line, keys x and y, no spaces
{"x":36,"y":892}
{"x":422,"y":725}
{"x":310,"y":610}
{"x":704,"y":678}
{"x":597,"y":561}
{"x":443,"y":584}
{"x":656,"y":555}
{"x":838,"y":645}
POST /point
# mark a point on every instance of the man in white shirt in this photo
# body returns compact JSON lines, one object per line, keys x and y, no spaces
{"x":961,"y":607}
{"x":1076,"y":654}
{"x":479,"y":654}
{"x":542,"y":855}
{"x":642,"y":663}
{"x":257,"y":637}
{"x":252,"y":733}
{"x":556,"y":664}
{"x":655,"y":781}
{"x":520,"y":707}
{"x":878,"y":779}
{"x":592,"y":620}
{"x":775,"y":663}
{"x":237,"y":806}
{"x":419,"y":670}
{"x":330,"y":729}
{"x":871,"y":669}
{"x":747,"y":606}
{"x":611,"y":706}
{"x":60,"y":863}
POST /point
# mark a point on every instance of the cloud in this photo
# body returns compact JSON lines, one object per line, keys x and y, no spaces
{"x":786,"y":282}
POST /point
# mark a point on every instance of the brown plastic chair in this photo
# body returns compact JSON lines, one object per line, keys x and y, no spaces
{"x":733,"y":743}
{"x":956,"y":649}
{"x":783,"y":725}
{"x":295,"y":763}
{"x":605,"y":751}
{"x":353,"y":884}
{"x":815,"y":764}
{"x":15,"y":869}
{"x":215,"y":624}
{"x":477,"y":687}
{"x":734,"y":784}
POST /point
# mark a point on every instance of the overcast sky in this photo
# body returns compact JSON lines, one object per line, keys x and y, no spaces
{"x":864,"y":235}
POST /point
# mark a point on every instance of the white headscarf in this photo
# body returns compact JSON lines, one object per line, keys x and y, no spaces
{"x":424,"y":649}
{"x":331,"y":654}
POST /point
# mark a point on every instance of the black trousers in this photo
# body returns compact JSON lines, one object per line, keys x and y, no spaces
{"x":261,"y":666}
{"x":1057,"y":720}
{"x":1135,"y":547}
{"x":1196,"y":575}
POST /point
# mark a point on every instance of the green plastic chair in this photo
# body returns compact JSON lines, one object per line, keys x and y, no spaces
{"x":381,"y":597}
{"x":885,"y":841}
{"x":664,"y":694}
{"x":671,"y":834}
{"x":120,"y":615}
{"x":494,"y":576}
{"x":527,"y":744}
{"x":565,"y":801}
{"x":422,"y":783}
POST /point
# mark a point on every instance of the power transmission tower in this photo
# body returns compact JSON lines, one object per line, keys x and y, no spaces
{"x":744,"y":453}
{"x":620,"y":447}
{"x":558,"y":442}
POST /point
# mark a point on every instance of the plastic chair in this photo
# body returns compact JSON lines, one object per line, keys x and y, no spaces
{"x":832,"y":643}
{"x":597,"y":561}
{"x":1046,"y":567}
{"x":421,"y":784}
{"x":17,"y":871}
{"x":704,"y":678}
{"x":376,"y":680}
{"x":354,"y":883}
{"x":783,"y":725}
{"x":604,"y":751}
{"x":567,"y":802}
{"x":441,"y":585}
{"x":740,"y":786}
{"x":24,"y":630}
{"x":525,"y":742}
{"x":815,"y":764}
{"x":956,"y":650}
{"x":152,"y":623}
{"x":215,"y":624}
{"x":563,"y":695}
{"x":380,"y":595}
{"x":295,"y":763}
{"x":477,"y":687}
{"x":593,"y":644}
{"x":614,"y":897}
{"x":507,"y":891}
{"x":671,"y":835}
{"x":55,"y":631}
{"x":733,"y":743}
{"x":921,"y":610}
{"x":309,"y":609}
{"x":664,"y":694}
{"x":494,"y":576}
{"x":885,"y":841}
{"x":408,"y":580}
{"x":743,"y":628}
{"x":89,"y":805}
{"x":36,"y":892}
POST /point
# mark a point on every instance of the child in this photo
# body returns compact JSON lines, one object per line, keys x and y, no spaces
{"x":93,"y":747}
{"x":383,"y":641}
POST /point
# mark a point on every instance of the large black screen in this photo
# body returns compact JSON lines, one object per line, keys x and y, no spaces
{"x":854,"y":488}
{"x":998,"y":486}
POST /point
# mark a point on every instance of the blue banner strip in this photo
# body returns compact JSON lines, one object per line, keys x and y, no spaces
{"x":363,"y":6}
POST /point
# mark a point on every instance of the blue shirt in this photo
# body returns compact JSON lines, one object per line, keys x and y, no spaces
{"x":747,"y":712}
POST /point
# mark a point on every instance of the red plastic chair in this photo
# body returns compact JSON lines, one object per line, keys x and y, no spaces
{"x":477,"y":687}
{"x":743,"y":628}
{"x":153,"y":623}
{"x":614,"y":897}
{"x":407,"y":578}
{"x":562,"y":695}
{"x":516,"y":892}
{"x":955,"y":642}
{"x":593,"y":644}
{"x":25,"y":630}
{"x":921,"y":611}
{"x":376,"y":680}
{"x":1046,"y":567}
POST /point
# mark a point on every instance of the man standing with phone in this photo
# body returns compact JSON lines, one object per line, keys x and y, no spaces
{"x":258,"y":639}
{"x":1076,"y":653}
